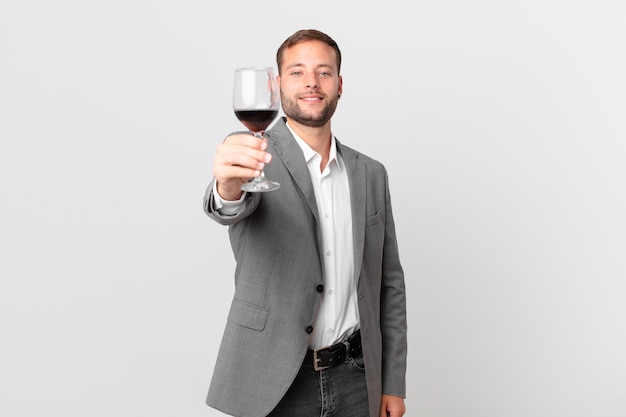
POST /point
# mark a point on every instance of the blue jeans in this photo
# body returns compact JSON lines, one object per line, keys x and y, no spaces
{"x":339,"y":391}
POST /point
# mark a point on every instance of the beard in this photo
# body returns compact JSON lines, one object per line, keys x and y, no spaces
{"x":294,"y":112}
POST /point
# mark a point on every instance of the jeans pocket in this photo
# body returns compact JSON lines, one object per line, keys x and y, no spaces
{"x":358,"y":363}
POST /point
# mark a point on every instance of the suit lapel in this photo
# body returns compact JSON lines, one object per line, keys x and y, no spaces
{"x":289,"y":152}
{"x":358,"y":193}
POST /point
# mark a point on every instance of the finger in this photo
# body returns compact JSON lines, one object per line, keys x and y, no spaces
{"x":223,"y":173}
{"x":383,"y":410}
{"x":237,"y":150}
{"x":241,"y":156}
{"x":246,"y":139}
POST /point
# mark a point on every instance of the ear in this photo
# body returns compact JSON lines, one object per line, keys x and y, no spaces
{"x":340,"y":90}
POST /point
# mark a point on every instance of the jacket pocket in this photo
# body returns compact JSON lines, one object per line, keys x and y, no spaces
{"x":248,"y":315}
{"x":375,"y":218}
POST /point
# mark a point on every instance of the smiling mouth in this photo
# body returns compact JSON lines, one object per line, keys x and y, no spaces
{"x":311,"y":99}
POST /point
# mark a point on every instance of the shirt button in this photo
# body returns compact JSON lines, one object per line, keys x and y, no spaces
{"x":309,"y":329}
{"x":319,"y":288}
{"x":328,"y":253}
{"x":330,"y":291}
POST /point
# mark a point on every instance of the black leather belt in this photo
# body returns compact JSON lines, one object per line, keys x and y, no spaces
{"x":330,"y":356}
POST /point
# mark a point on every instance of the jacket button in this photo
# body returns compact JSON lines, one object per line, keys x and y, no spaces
{"x":319,"y":288}
{"x":309,"y":329}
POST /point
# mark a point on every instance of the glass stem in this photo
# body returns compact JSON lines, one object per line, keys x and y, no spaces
{"x":262,"y":174}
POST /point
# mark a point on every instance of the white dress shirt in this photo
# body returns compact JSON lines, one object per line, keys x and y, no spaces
{"x":338,"y":315}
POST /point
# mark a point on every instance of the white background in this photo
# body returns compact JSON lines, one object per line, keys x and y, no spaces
{"x":502,"y":124}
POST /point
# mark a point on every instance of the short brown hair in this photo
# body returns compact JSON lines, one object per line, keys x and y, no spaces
{"x":307,"y":35}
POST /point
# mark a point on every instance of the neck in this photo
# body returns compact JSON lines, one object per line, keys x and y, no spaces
{"x":318,"y":138}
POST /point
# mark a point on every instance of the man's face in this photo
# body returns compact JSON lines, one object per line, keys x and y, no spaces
{"x":310,"y":85}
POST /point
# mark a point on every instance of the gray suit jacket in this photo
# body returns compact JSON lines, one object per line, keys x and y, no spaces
{"x":277,"y":248}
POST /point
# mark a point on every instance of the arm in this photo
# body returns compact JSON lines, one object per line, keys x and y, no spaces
{"x":393,"y":311}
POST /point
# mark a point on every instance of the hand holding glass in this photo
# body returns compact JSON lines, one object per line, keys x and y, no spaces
{"x":256,"y":102}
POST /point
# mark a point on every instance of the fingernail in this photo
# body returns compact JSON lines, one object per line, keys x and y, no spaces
{"x":268,"y":157}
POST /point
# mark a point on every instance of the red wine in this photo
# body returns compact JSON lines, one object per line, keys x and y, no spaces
{"x":256,"y":120}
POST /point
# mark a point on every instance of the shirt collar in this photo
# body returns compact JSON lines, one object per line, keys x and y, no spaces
{"x":309,"y":153}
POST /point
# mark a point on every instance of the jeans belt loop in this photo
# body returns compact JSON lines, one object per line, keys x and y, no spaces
{"x":347,"y":355}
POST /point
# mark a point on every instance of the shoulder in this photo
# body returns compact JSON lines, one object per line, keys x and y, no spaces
{"x":348,"y":154}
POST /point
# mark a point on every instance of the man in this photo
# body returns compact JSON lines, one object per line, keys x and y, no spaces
{"x":317,"y":325}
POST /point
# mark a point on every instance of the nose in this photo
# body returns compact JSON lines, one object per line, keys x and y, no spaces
{"x":311,"y":80}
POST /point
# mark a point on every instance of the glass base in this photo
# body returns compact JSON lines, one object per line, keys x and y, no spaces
{"x":260,"y":185}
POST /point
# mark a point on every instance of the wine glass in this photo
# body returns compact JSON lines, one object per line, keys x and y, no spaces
{"x":256,"y":102}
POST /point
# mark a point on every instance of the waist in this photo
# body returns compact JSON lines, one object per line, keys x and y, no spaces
{"x":327,"y":357}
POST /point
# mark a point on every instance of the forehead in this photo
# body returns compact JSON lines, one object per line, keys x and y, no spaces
{"x":311,"y":52}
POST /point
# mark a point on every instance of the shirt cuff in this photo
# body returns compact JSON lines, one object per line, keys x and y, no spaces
{"x":226,"y":207}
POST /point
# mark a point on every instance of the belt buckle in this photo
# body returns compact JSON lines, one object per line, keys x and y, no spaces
{"x":316,"y":360}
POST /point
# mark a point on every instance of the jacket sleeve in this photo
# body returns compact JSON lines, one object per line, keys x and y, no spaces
{"x":251,"y":202}
{"x":393,"y":311}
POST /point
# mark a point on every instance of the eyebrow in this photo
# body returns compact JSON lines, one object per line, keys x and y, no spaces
{"x":299,"y":64}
